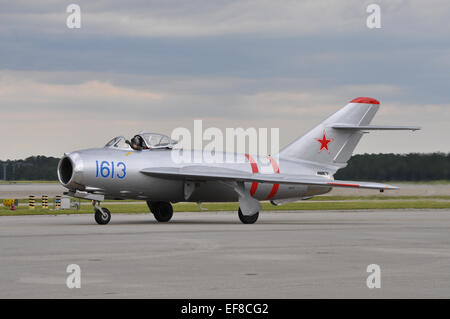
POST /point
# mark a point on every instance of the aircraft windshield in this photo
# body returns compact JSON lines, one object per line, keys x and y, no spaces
{"x":118,"y":142}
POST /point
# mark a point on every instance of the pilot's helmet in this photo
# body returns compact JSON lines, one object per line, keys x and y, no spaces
{"x":136,"y":140}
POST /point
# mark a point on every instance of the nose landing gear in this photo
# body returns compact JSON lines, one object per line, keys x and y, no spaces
{"x":102,"y":215}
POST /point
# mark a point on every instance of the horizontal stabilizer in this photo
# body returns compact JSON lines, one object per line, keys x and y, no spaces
{"x":374,"y":127}
{"x":210,"y":173}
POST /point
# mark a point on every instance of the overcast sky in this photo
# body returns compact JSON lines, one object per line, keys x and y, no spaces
{"x":157,"y":65}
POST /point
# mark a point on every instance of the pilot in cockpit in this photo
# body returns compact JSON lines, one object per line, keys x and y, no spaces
{"x":137,"y":143}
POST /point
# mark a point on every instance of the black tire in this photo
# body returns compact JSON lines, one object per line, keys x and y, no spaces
{"x":162,"y":211}
{"x":102,"y":218}
{"x":247,"y":219}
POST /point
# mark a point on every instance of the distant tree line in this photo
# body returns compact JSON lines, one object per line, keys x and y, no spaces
{"x":397,"y":167}
{"x":31,"y":168}
{"x":372,"y":167}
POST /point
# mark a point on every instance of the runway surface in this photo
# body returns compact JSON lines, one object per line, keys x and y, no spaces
{"x":23,"y":190}
{"x":212,"y":255}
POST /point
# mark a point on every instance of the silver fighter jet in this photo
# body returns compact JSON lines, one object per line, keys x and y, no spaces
{"x":143,"y":169}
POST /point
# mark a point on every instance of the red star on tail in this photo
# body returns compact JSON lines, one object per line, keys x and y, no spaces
{"x":324,"y":142}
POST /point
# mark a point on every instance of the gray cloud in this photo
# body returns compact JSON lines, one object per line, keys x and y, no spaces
{"x":157,"y":65}
{"x":197,"y":18}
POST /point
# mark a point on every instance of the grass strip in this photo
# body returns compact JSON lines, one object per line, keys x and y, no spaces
{"x":191,"y":207}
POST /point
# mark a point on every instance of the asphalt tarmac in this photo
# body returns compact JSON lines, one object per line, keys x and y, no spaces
{"x":23,"y":190}
{"x":213,"y":255}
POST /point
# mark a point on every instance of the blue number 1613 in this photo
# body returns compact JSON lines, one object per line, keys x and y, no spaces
{"x":107,"y":169}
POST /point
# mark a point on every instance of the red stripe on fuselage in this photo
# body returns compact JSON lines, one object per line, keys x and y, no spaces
{"x":254,"y":166}
{"x":276,"y":170}
{"x":349,"y":185}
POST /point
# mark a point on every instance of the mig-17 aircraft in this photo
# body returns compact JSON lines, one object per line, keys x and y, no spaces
{"x":143,"y":169}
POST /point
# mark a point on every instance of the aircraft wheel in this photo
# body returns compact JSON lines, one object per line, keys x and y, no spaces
{"x":102,"y":218}
{"x":248,"y":219}
{"x":162,"y":211}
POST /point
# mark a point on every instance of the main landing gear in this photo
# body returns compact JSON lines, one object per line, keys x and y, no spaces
{"x":248,"y":219}
{"x":102,"y":215}
{"x":162,"y":211}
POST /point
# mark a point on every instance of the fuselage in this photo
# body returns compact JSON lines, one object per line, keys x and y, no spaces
{"x":115,"y":173}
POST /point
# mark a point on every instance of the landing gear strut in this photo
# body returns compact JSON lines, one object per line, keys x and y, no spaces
{"x":102,"y":215}
{"x":248,"y":219}
{"x":162,"y":211}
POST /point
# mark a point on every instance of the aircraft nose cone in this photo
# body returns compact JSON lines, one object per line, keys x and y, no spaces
{"x":70,"y":170}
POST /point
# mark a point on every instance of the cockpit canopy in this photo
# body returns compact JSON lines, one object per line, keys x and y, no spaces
{"x":156,"y":140}
{"x":150,"y":141}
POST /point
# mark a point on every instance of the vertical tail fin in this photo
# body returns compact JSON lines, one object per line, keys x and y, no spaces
{"x":327,"y":145}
